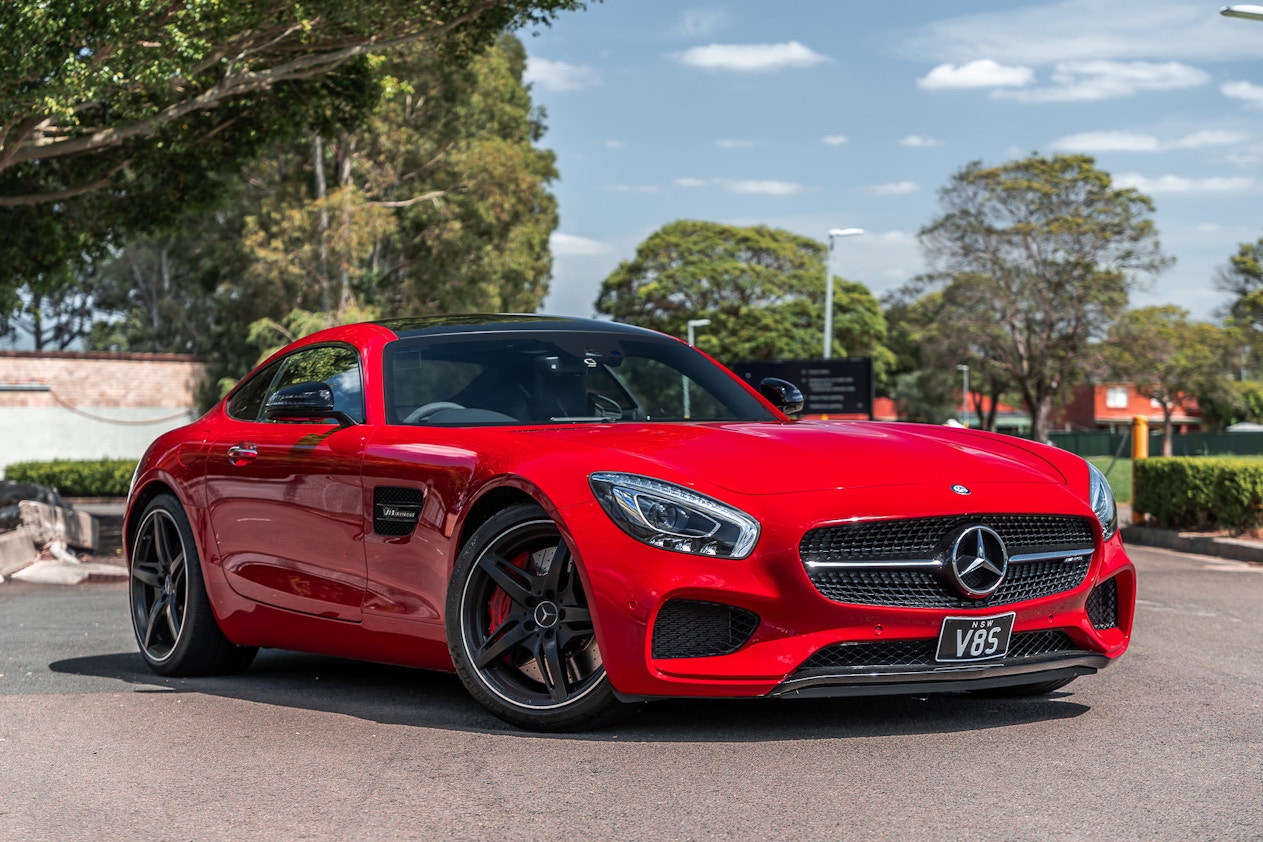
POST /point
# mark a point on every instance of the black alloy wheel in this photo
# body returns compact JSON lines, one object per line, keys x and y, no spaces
{"x":520,"y":630}
{"x":171,"y":614}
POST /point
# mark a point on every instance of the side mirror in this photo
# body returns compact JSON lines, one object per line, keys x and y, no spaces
{"x":782,"y":394}
{"x":305,"y":401}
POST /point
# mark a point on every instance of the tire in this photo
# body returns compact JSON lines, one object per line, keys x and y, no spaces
{"x":171,"y":615}
{"x":1042,"y":688}
{"x":519,"y":628}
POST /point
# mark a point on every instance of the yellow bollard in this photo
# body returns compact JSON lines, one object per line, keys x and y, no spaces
{"x":1139,"y":450}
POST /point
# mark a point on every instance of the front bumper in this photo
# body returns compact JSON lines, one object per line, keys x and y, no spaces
{"x":632,"y":588}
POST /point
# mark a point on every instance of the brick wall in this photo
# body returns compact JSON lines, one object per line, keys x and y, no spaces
{"x":78,"y":405}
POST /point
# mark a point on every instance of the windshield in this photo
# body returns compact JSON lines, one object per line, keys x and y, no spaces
{"x":559,"y":377}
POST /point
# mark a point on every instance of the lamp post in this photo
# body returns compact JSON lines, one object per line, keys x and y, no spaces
{"x":684,"y":380}
{"x":1250,"y":12}
{"x":964,"y":395}
{"x":834,"y":233}
{"x":693,"y":323}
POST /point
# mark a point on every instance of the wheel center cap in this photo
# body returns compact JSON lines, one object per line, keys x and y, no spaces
{"x":547,"y":614}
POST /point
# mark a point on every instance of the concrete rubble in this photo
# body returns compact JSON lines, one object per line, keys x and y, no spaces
{"x":38,"y":530}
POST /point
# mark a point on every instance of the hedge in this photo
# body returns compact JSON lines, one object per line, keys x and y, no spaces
{"x":77,"y":477}
{"x":1200,"y":492}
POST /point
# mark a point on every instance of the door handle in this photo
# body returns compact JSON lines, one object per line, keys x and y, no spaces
{"x":240,"y":454}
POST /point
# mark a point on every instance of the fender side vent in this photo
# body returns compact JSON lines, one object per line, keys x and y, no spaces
{"x":396,"y":510}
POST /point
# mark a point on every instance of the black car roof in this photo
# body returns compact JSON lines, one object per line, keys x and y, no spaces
{"x":406,"y":328}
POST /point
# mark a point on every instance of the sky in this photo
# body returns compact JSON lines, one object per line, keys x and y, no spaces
{"x":810,"y":115}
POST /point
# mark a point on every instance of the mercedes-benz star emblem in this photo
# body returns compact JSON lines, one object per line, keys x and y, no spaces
{"x":547,"y":615}
{"x":977,"y":561}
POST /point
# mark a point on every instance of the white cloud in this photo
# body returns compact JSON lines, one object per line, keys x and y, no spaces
{"x":634,"y":188}
{"x":754,"y":186}
{"x":918,"y":142}
{"x":1119,"y":141}
{"x":834,"y":139}
{"x":699,"y":23}
{"x":559,"y":75}
{"x":763,"y":188}
{"x":734,"y":144}
{"x":1181,"y":184}
{"x":1252,"y":94}
{"x":568,"y":245}
{"x":1207,"y":228}
{"x":1076,"y":30}
{"x":753,"y":58}
{"x":1208,"y":137}
{"x":898,"y":188}
{"x":613,"y":144}
{"x":982,"y":73}
{"x":1096,"y":80}
{"x":1125,"y":141}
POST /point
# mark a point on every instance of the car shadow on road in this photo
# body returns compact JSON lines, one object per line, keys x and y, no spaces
{"x":422,"y":699}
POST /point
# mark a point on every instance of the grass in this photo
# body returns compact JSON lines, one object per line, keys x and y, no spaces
{"x":1119,"y":476}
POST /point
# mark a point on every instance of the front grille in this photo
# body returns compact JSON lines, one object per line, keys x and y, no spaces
{"x":921,"y":538}
{"x":1103,"y":605}
{"x":689,"y":629}
{"x":925,"y":539}
{"x":880,"y":654}
{"x":918,"y":588}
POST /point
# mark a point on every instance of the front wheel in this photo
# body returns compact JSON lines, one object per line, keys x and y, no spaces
{"x":519,"y":628}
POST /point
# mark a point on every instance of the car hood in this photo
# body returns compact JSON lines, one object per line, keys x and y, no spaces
{"x":779,"y":458}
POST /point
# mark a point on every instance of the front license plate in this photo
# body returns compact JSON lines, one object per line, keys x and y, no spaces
{"x":974,"y":638}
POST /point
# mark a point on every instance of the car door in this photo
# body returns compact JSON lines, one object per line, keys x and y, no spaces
{"x":285,"y":498}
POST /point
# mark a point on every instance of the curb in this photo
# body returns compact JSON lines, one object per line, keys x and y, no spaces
{"x":1194,"y":542}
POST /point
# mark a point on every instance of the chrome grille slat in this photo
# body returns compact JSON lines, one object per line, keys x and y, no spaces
{"x":859,"y":563}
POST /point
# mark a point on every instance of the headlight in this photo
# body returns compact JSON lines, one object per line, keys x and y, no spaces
{"x":1101,"y":497}
{"x":674,"y":518}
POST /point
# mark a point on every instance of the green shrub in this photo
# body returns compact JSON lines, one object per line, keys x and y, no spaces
{"x":77,"y":477}
{"x":1200,"y":492}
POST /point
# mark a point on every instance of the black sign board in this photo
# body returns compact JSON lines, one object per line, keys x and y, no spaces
{"x":830,"y":387}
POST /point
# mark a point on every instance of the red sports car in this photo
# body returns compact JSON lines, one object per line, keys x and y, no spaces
{"x":577,"y":516}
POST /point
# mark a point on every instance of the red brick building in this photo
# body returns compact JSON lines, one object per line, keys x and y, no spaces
{"x":1112,"y":406}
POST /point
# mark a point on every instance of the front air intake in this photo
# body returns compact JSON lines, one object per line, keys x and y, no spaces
{"x":689,"y":629}
{"x":1103,"y":605}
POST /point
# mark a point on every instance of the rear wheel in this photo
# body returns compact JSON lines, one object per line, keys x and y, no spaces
{"x":171,"y":614}
{"x":520,"y":630}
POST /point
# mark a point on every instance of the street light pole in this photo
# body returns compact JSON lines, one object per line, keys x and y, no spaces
{"x":834,"y":233}
{"x":964,"y":395}
{"x":684,"y":380}
{"x":1251,"y":12}
{"x":693,"y":323}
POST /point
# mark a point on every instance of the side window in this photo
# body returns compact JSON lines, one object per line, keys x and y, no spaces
{"x":336,"y":365}
{"x":247,"y":404}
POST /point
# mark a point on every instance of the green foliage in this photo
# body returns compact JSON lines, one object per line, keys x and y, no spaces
{"x":77,"y":478}
{"x":1167,"y":356}
{"x":117,"y":117}
{"x":1201,"y":492}
{"x":1242,"y":279}
{"x":762,"y":288}
{"x":1034,"y":259}
{"x":439,"y":204}
{"x":1233,"y":401}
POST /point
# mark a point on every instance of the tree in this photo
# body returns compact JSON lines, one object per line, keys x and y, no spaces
{"x":1168,"y":357}
{"x":440,"y":203}
{"x":114,"y":117}
{"x":762,"y":288}
{"x":1037,"y":258}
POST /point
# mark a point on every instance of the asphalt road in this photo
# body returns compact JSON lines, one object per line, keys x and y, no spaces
{"x":1167,"y":744}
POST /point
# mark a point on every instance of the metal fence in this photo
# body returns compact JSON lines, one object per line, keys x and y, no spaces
{"x":1105,"y":443}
